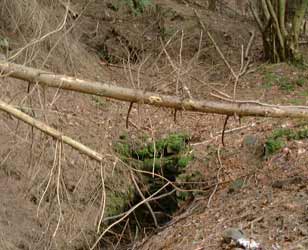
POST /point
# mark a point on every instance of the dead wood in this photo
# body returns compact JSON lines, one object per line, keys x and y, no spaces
{"x":50,"y":131}
{"x":240,"y":108}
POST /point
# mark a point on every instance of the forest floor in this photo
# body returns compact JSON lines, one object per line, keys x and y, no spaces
{"x":265,"y":194}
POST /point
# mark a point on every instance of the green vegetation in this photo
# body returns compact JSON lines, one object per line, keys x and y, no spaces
{"x":188,"y":181}
{"x":137,"y":6}
{"x":271,"y":79}
{"x":297,"y":101}
{"x":273,"y":145}
{"x":279,"y":138}
{"x":100,"y":102}
{"x":163,"y":150}
{"x":169,"y":158}
{"x":169,"y":155}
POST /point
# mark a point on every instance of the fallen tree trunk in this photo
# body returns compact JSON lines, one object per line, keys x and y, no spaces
{"x":240,"y":108}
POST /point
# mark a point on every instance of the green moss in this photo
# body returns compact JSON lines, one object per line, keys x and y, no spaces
{"x":167,"y":163}
{"x":123,"y":149}
{"x":304,"y":93}
{"x":116,"y":203}
{"x":270,"y":79}
{"x":284,"y":83}
{"x":297,"y":101}
{"x":138,"y":6}
{"x":189,"y":181}
{"x":142,"y":153}
{"x":173,"y":144}
{"x":278,"y":138}
{"x":273,"y":145}
{"x":184,"y":161}
{"x":300,"y":82}
{"x":168,"y":156}
{"x":283,"y":132}
{"x":299,"y":135}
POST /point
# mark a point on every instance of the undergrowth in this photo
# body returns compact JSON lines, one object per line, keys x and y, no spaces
{"x":167,"y":157}
{"x":278,"y":139}
{"x":284,"y":83}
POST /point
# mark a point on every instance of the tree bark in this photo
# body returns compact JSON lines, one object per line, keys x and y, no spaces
{"x":296,"y":29}
{"x":241,"y":108}
{"x":281,"y":44}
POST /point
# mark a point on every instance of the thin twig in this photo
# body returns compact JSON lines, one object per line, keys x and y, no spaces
{"x":128,"y":113}
{"x":103,"y":202}
{"x":143,"y":198}
{"x":60,"y":27}
{"x":127,"y":214}
{"x":251,"y":39}
{"x":60,"y":218}
{"x":50,"y":131}
{"x":49,"y":179}
{"x":215,"y":45}
{"x":122,"y":233}
{"x":211,"y":87}
{"x":223,"y":130}
{"x":217,"y":134}
{"x":218,"y":176}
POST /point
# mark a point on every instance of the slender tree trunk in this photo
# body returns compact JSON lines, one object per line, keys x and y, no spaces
{"x":279,"y":41}
{"x":297,"y":21}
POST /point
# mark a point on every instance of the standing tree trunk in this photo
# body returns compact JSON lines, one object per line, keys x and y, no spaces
{"x":280,"y":24}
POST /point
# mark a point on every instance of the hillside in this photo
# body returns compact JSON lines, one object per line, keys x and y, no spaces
{"x":54,"y":197}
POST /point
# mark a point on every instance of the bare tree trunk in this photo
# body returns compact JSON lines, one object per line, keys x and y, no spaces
{"x":279,"y":41}
{"x":229,"y":107}
{"x":296,"y":29}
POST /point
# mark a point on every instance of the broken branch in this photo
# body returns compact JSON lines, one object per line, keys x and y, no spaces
{"x":50,"y":131}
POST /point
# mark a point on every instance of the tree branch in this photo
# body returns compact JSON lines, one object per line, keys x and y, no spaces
{"x":256,"y":16}
{"x":282,"y":17}
{"x":50,"y":131}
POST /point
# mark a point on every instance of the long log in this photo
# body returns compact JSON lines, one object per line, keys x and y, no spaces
{"x":241,"y":108}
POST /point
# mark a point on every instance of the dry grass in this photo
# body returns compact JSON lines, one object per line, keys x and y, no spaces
{"x":43,"y":34}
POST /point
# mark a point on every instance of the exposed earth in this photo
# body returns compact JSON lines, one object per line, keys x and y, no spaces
{"x":53,"y":197}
